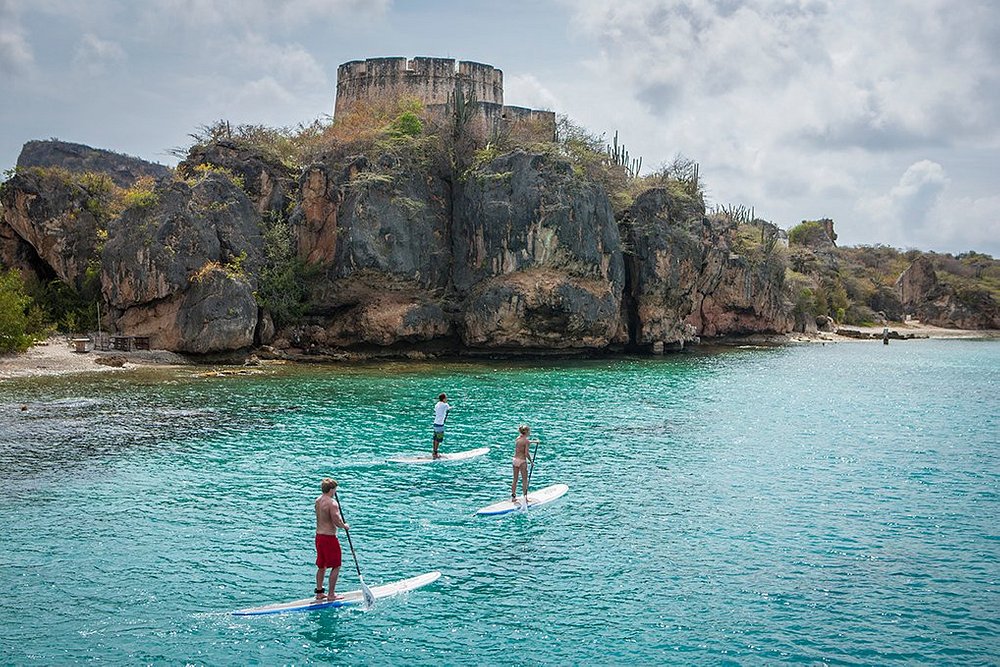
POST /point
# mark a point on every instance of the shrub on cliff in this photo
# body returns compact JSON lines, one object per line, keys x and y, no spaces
{"x":806,"y":233}
{"x":292,"y":147}
{"x":284,"y":278}
{"x":14,"y":304}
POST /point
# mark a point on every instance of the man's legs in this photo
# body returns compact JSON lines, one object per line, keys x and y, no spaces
{"x":333,"y":582}
{"x":320,"y":572}
{"x":438,"y":437}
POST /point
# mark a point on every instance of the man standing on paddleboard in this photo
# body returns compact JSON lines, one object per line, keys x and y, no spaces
{"x":441,"y":409}
{"x":328,"y":519}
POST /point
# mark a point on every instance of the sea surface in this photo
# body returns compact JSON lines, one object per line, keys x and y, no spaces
{"x":819,"y":504}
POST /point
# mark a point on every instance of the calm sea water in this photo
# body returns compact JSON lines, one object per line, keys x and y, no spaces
{"x":821,"y":504}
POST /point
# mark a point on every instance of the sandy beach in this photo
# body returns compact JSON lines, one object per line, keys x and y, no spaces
{"x":912,"y":329}
{"x":55,"y":357}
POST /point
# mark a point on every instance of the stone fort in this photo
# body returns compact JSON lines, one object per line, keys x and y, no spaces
{"x":433,"y":81}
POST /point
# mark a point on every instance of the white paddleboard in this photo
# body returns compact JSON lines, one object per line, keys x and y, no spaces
{"x":535,"y":498}
{"x":350,"y":599}
{"x":452,"y":456}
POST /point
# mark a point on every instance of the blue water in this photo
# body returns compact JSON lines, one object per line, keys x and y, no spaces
{"x":829,"y":504}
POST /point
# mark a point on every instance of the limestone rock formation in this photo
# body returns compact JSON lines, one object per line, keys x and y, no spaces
{"x":537,"y":257}
{"x":48,"y":213}
{"x":937,"y":303}
{"x":269,"y":184}
{"x":519,"y":254}
{"x":376,"y":233}
{"x":182,"y":270}
{"x":684,"y":281}
{"x":124,"y":170}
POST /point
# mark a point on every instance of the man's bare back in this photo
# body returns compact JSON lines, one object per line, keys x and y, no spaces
{"x":328,"y":516}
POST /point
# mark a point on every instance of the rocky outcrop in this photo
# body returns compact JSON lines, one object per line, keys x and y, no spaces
{"x":268,"y":183}
{"x":934,"y":302}
{"x":376,"y":234}
{"x":748,"y":298}
{"x":520,"y":254}
{"x":50,"y":213}
{"x":537,"y":257}
{"x":124,"y":170}
{"x":182,"y":269}
{"x":685,"y":282}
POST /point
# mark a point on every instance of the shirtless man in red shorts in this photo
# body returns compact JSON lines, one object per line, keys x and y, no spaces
{"x":327,"y":545}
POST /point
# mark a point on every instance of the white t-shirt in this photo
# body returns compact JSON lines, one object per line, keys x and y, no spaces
{"x":440,"y":412}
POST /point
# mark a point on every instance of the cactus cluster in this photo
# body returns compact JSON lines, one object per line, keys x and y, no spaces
{"x":618,"y":155}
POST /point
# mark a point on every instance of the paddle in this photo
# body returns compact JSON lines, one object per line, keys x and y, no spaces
{"x":365,"y":591}
{"x":531,"y":469}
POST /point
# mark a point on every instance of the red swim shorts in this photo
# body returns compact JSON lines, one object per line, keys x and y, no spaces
{"x":327,"y":551}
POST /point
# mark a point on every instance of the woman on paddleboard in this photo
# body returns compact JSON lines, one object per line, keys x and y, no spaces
{"x":521,"y":460}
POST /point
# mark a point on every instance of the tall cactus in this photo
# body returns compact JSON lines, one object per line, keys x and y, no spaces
{"x":618,"y":156}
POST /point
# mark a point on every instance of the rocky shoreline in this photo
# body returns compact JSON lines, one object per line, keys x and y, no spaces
{"x":54,"y":357}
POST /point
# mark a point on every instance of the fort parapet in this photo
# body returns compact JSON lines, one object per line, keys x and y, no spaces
{"x":433,"y":81}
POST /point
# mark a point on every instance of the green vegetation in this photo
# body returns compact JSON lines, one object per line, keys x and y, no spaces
{"x":203,"y":170}
{"x":65,"y":308}
{"x":283,"y":286}
{"x":808,"y":232}
{"x":141,"y":195}
{"x":293,"y":147}
{"x":406,"y":124}
{"x":15,"y":332}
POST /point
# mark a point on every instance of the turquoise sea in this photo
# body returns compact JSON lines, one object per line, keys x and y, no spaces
{"x":831,"y":504}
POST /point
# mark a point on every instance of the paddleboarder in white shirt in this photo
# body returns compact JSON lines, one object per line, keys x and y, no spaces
{"x":441,"y":409}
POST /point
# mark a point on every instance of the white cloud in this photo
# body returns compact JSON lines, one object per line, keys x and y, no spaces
{"x":800,"y":107}
{"x":524,"y":90}
{"x":16,"y":55}
{"x":907,"y":209}
{"x":94,"y":55}
{"x":922,"y":211}
{"x":290,"y":64}
{"x":262,"y":92}
{"x":258,"y":14}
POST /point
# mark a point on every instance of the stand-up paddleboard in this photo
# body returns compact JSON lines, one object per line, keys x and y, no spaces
{"x":535,"y":499}
{"x":454,"y":456}
{"x":350,"y":599}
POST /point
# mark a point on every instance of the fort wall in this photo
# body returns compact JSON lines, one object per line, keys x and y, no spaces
{"x":433,"y":82}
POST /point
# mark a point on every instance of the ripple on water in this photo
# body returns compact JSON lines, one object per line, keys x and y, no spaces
{"x":832,"y":504}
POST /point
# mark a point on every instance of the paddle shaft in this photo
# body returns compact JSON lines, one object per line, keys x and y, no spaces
{"x":534,"y":454}
{"x":349,"y":542}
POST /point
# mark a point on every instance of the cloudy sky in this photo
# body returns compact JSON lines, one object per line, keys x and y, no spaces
{"x":884,"y":116}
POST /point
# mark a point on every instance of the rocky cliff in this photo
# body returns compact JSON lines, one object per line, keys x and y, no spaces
{"x":124,"y":170}
{"x":686,"y":281}
{"x":182,"y":268}
{"x":397,"y":251}
{"x":932,"y":301}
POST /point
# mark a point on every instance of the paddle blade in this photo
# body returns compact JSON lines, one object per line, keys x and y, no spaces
{"x":366,"y":593}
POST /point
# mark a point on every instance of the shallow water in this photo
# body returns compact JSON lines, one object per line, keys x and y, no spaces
{"x":833,"y":504}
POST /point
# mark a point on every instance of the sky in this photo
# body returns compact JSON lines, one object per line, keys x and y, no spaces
{"x":884,"y":116}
